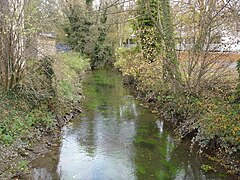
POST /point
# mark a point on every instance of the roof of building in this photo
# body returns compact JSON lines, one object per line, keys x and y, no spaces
{"x":48,"y":34}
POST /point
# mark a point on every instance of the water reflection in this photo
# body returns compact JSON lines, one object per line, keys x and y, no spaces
{"x":160,"y":126}
{"x":117,"y":139}
{"x":42,"y":173}
{"x":99,"y":144}
{"x":45,"y":167}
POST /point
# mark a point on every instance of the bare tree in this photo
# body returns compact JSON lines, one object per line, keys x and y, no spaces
{"x":11,"y":42}
{"x":199,"y":27}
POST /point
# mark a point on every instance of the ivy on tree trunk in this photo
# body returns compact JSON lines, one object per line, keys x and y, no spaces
{"x":157,"y":16}
{"x":238,"y":86}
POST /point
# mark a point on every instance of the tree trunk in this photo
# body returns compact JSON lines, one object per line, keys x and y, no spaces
{"x":171,"y":64}
{"x":11,"y":42}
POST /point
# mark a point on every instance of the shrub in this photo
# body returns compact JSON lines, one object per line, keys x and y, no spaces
{"x":220,"y":126}
{"x":49,"y":84}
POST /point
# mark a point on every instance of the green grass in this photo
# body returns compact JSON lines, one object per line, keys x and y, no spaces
{"x":68,"y":68}
{"x":17,"y":119}
{"x":75,"y":61}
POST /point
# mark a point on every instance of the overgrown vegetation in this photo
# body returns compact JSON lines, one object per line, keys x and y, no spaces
{"x":69,"y":71}
{"x":212,"y":118}
{"x":191,"y":88}
{"x":53,"y":88}
{"x":28,"y":112}
{"x":18,"y":120}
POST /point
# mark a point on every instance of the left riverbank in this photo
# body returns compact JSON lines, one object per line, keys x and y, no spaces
{"x":32,"y":114}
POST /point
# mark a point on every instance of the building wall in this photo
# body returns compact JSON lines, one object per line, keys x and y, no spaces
{"x":46,"y":46}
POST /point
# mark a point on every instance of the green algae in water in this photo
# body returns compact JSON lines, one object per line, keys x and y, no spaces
{"x":141,"y":170}
{"x":147,"y":142}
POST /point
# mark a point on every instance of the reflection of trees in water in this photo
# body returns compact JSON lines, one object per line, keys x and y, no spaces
{"x":157,"y":156}
{"x":128,"y":109}
{"x":190,"y":164}
{"x":46,"y":167}
{"x":99,"y":127}
{"x":154,"y":149}
{"x":146,"y":144}
{"x":169,"y":147}
{"x":104,"y":121}
{"x":189,"y":172}
{"x":105,"y":134}
{"x":175,"y":160}
{"x":160,"y":126}
{"x":104,"y":93}
{"x":86,"y":137}
{"x":41,"y":174}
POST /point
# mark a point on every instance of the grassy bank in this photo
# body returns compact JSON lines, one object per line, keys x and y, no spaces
{"x":69,"y":71}
{"x":52,"y":86}
{"x":211,"y":118}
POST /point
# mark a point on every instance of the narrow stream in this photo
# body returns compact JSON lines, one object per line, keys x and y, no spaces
{"x":117,"y":139}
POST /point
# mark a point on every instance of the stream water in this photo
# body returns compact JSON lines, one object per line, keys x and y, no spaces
{"x":115,"y":138}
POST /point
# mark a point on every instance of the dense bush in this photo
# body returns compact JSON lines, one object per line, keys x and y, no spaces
{"x":219,"y":127}
{"x":131,"y":62}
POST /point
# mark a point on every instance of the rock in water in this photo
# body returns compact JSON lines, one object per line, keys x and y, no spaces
{"x":60,"y":120}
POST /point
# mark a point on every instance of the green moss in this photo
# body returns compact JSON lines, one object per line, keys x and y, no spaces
{"x":163,"y":175}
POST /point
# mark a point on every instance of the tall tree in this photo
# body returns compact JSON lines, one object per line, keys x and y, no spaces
{"x":87,"y":31}
{"x":156,"y":14}
{"x":149,"y":40}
